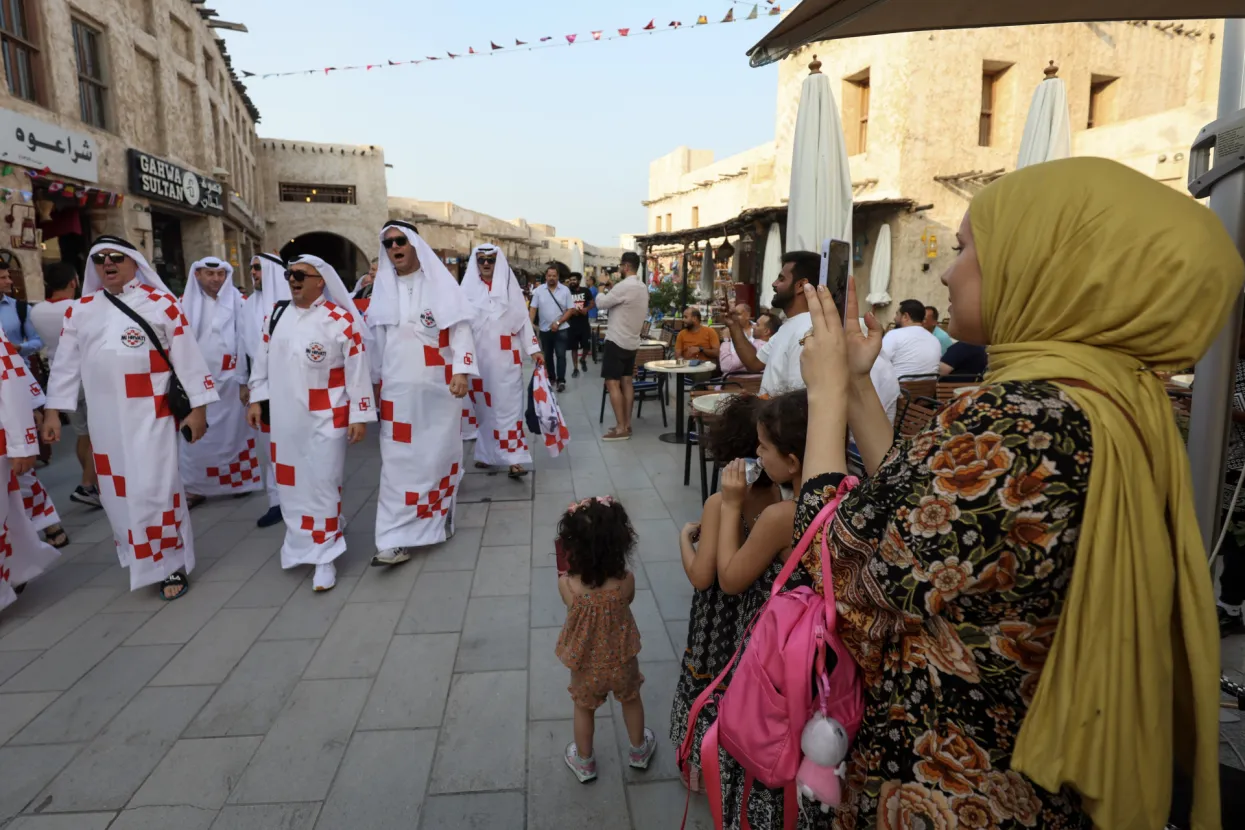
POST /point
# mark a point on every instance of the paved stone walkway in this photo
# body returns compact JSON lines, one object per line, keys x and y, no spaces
{"x":426,"y":696}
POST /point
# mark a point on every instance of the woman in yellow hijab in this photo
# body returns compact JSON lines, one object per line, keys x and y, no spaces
{"x":1023,"y":584}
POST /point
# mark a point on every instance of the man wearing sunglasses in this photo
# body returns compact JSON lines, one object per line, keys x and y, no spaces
{"x":503,"y":331}
{"x":126,"y":377}
{"x":268,"y":275}
{"x":226,"y":461}
{"x":425,"y":354}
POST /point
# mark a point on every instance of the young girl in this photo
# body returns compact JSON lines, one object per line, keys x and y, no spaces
{"x":599,"y":641}
{"x":714,"y":628}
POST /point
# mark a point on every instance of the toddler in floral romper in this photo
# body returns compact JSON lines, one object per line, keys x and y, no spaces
{"x":599,"y":642}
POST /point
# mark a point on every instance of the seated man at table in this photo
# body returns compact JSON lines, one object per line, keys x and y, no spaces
{"x":696,"y":341}
{"x":963,"y":361}
{"x":761,"y":331}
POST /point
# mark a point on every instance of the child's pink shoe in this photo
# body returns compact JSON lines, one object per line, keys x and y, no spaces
{"x":585,"y":769}
{"x":641,"y":755}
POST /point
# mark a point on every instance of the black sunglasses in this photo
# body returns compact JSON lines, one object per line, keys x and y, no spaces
{"x":298,"y":276}
{"x":389,"y":242}
{"x":255,"y":266}
{"x":115,"y":257}
{"x":489,"y":260}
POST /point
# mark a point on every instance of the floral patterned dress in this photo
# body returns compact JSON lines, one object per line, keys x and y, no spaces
{"x":951,"y":567}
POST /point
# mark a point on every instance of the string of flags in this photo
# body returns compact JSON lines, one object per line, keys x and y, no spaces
{"x":546,"y":42}
{"x":56,"y":189}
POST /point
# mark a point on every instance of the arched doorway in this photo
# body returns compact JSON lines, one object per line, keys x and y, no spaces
{"x":341,"y":253}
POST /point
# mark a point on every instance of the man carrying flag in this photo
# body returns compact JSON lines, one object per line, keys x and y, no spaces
{"x":106,"y":346}
{"x":424,"y":354}
{"x":226,"y":461}
{"x":268,"y":274}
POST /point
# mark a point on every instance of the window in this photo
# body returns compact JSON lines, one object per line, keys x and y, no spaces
{"x":856,"y":91}
{"x":658,"y":223}
{"x":329,"y":194}
{"x":87,"y":44}
{"x":21,"y":56}
{"x":180,"y":34}
{"x":209,"y":65}
{"x":695,"y":217}
{"x":150,"y":127}
{"x":669,"y":223}
{"x":987,"y":124}
{"x":1101,"y":100}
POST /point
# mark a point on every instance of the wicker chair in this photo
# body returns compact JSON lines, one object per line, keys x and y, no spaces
{"x":920,"y":386}
{"x":917,"y":415}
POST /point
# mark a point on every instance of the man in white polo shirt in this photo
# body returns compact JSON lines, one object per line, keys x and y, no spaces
{"x":910,"y":348}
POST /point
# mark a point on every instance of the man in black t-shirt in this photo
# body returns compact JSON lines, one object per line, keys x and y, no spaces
{"x":963,"y":361}
{"x":578,"y":327}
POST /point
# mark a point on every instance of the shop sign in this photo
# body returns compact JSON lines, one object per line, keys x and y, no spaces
{"x":42,"y":146}
{"x":159,"y":179}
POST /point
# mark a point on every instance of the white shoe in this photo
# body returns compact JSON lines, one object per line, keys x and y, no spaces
{"x":325,"y":578}
{"x":391,"y":556}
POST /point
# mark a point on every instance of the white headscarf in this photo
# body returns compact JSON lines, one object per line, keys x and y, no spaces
{"x":147,"y":275}
{"x":335,"y":292}
{"x":503,"y":301}
{"x":444,"y":297}
{"x":229,"y":299}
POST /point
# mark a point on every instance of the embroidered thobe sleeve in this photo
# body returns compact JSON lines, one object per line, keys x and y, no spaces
{"x":529,"y":337}
{"x":358,"y":372}
{"x":188,"y":362}
{"x":66,"y":376}
{"x":258,"y":383}
{"x":463,"y":346}
{"x":20,"y":438}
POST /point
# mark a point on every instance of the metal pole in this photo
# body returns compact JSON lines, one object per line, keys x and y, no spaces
{"x":1216,"y":372}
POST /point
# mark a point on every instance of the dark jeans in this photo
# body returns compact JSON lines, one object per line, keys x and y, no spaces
{"x":553,"y":344}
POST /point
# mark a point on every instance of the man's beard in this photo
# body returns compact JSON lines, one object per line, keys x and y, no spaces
{"x":783,"y":301}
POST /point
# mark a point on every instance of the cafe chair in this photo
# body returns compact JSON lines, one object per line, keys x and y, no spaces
{"x":921,"y":386}
{"x":697,"y":425}
{"x":648,"y":385}
{"x":918,"y":413}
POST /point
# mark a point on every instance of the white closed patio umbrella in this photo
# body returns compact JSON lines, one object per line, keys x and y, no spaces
{"x":771,"y":266}
{"x":577,"y":258}
{"x":880,"y":269}
{"x":820,"y":205}
{"x":1048,"y":129}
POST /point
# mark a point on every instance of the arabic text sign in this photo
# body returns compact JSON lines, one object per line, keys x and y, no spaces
{"x":160,"y":179}
{"x":37,"y":144}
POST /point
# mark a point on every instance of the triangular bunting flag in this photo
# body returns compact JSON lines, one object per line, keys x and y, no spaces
{"x":431,"y":58}
{"x":674,"y":24}
{"x":394,"y":63}
{"x":775,"y":10}
{"x":452,"y":55}
{"x":329,"y":69}
{"x":518,"y":42}
{"x":623,"y":32}
{"x":702,"y":20}
{"x":369,"y":67}
{"x":651,"y":25}
{"x":246,"y":74}
{"x":471,"y":50}
{"x":730,"y":17}
{"x":596,"y":35}
{"x":549,"y":37}
{"x":494,"y":45}
{"x":752,"y":15}
{"x":571,"y":38}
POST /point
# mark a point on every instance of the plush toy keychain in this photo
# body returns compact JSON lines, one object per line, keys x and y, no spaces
{"x":820,"y":777}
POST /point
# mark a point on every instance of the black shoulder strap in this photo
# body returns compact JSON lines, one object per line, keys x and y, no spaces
{"x":23,"y":309}
{"x":146,"y":327}
{"x":277,"y":311}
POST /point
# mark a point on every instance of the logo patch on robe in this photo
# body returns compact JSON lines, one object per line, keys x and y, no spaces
{"x":316,"y":353}
{"x":133,"y":338}
{"x":427,"y":319}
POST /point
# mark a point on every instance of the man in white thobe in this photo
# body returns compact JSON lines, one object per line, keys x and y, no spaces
{"x":425,"y":354}
{"x":314,"y":375}
{"x":268,"y":274}
{"x":22,"y":555}
{"x":226,"y":461}
{"x":133,"y":432}
{"x":503,"y":332}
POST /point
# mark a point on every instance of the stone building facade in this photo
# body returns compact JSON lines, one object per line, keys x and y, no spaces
{"x":930,"y":118}
{"x":144,"y":88}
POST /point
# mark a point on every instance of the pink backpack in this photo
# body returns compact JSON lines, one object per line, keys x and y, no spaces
{"x":764,"y":709}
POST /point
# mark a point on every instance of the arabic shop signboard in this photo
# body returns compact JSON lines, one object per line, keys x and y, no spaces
{"x":39,"y":145}
{"x":167,"y":182}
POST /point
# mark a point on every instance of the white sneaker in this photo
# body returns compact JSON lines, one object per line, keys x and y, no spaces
{"x":391,"y":556}
{"x":325,"y":578}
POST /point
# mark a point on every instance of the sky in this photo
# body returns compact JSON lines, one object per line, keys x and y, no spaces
{"x":562,"y":136}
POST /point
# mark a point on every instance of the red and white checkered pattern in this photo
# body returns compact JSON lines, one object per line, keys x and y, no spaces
{"x":400,"y":431}
{"x":168,"y":304}
{"x":320,"y":400}
{"x":11,"y":363}
{"x":513,"y":440}
{"x":507,"y":345}
{"x":355,"y":338}
{"x":6,"y":551}
{"x":557,"y":441}
{"x":142,"y":385}
{"x":38,"y":504}
{"x":241,"y":472}
{"x":437,"y":501}
{"x":103,"y":470}
{"x":284,"y":472}
{"x":32,"y":437}
{"x":228,"y":362}
{"x":476,"y":387}
{"x":439,"y":355}
{"x":469,"y":416}
{"x":154,"y":540}
{"x":326,"y":530}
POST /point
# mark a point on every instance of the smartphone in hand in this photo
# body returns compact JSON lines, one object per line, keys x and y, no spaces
{"x":560,"y":554}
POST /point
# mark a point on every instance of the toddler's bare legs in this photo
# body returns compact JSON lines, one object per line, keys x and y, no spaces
{"x":585,"y":725}
{"x":633,"y":717}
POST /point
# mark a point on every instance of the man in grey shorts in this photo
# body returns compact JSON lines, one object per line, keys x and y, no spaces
{"x":60,"y":282}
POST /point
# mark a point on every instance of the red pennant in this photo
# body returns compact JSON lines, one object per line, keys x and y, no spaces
{"x":571,"y":38}
{"x":623,"y":32}
{"x":494,"y":45}
{"x":329,"y":69}
{"x":775,"y":10}
{"x":596,"y":35}
{"x":369,"y":67}
{"x":730,"y":16}
{"x":518,"y":42}
{"x":452,"y":55}
{"x":652,"y":24}
{"x":674,"y":24}
{"x":471,"y":50}
{"x":394,"y":63}
{"x":431,"y":58}
{"x":543,"y":39}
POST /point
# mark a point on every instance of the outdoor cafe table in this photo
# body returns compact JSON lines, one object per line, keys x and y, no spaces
{"x":678,"y":368}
